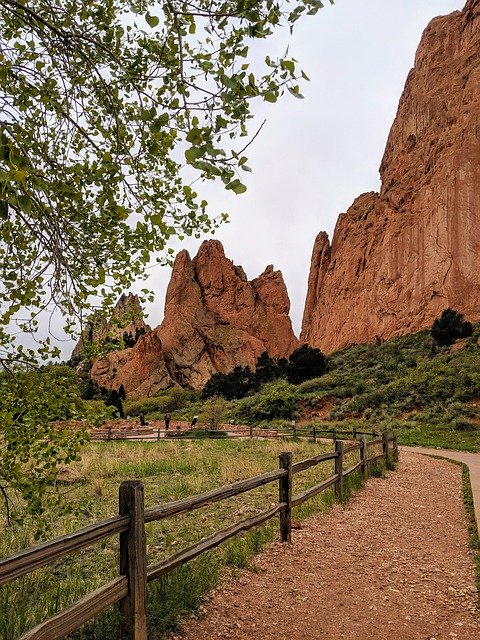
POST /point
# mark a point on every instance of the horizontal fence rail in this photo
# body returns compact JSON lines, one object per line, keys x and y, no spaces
{"x":223,"y":431}
{"x":227,"y":491}
{"x":129,"y":589}
{"x":39,"y":556}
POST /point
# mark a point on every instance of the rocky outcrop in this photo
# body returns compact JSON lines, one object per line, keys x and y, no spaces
{"x":141,"y":370}
{"x":215,"y":319}
{"x":401,"y":256}
{"x":126,"y":320}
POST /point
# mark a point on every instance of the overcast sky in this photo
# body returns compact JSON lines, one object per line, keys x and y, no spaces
{"x":315,"y":156}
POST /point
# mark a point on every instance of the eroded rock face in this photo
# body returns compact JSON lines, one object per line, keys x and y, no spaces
{"x":398,"y":258}
{"x":127,"y":318}
{"x":141,"y":369}
{"x":215,"y":319}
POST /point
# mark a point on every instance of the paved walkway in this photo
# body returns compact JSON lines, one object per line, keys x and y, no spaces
{"x":472,"y":460}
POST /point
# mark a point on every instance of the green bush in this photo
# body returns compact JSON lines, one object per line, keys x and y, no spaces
{"x":148,"y":405}
{"x":276,"y":400}
{"x":450,"y":326}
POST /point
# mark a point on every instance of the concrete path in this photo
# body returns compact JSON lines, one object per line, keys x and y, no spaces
{"x":472,"y":460}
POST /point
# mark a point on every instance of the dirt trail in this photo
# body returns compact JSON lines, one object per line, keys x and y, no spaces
{"x":392,"y":564}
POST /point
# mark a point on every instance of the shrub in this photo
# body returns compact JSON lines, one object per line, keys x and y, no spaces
{"x":450,"y":326}
{"x":304,"y":363}
{"x":276,"y":400}
{"x":462,"y":425}
{"x":148,"y":405}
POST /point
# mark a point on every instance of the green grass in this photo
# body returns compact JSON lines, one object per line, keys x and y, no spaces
{"x":169,"y":470}
{"x":472,"y":525}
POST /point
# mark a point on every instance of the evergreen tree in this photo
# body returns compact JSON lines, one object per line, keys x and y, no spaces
{"x":450,"y":326}
{"x":304,"y":363}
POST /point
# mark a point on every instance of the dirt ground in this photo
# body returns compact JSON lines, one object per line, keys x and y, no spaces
{"x":394,"y":563}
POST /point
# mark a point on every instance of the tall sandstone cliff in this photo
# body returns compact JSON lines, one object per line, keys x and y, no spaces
{"x":215,"y":319}
{"x":401,"y":256}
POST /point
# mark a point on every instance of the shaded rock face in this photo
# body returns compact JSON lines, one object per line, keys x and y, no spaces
{"x":398,"y":258}
{"x":141,"y":369}
{"x":127,"y":317}
{"x":215,"y":319}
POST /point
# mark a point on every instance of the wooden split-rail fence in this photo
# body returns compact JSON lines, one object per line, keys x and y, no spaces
{"x":129,"y":588}
{"x":226,"y":431}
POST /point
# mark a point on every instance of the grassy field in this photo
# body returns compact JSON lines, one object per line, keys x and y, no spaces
{"x":169,"y":470}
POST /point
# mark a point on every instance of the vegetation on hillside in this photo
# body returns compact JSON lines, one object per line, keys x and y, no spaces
{"x":424,"y":386}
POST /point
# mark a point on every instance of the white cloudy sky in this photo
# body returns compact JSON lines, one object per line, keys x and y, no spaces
{"x":315,"y":156}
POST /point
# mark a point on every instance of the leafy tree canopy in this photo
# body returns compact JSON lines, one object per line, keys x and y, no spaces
{"x":304,"y":363}
{"x":236,"y":384}
{"x":32,"y":447}
{"x":450,"y":326}
{"x":267,"y":368}
{"x":214,"y":410}
{"x":109,"y":111}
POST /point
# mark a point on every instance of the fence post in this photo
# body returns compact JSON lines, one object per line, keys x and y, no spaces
{"x":339,"y":469}
{"x":354,"y":434}
{"x":109,"y":434}
{"x":251,"y":431}
{"x":158,"y":435}
{"x":334,"y":436}
{"x":385,"y":446}
{"x":133,"y":562}
{"x":314,"y":434}
{"x":364,"y":456}
{"x":395,"y":447}
{"x":285,"y":495}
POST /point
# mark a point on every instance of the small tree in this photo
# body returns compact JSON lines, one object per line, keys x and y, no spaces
{"x":214,"y":411}
{"x":236,"y":384}
{"x":450,"y":326}
{"x":266,"y":368}
{"x":113,"y":398}
{"x":304,"y":363}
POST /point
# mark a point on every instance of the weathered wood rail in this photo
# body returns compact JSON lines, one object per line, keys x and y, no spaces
{"x":229,"y":431}
{"x":129,"y":589}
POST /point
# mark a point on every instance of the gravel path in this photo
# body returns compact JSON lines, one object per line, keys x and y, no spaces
{"x":392,"y":564}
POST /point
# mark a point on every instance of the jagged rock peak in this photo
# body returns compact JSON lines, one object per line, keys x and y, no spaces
{"x":127,"y":318}
{"x":215,"y":319}
{"x":398,"y":258}
{"x":141,"y":370}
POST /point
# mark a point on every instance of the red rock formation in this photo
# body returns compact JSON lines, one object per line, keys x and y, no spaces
{"x":127,"y":317}
{"x":398,"y":258}
{"x":215,"y":319}
{"x":141,"y":369}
